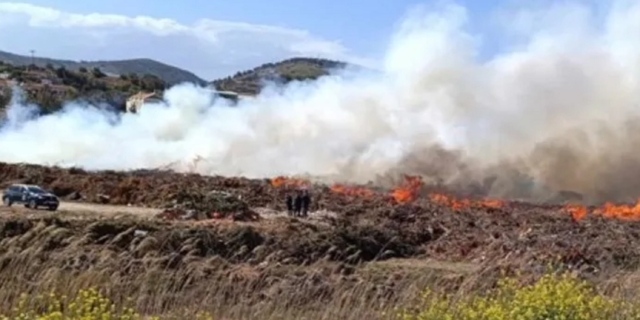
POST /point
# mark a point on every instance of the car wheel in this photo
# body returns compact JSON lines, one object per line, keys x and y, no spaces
{"x":33,"y":204}
{"x":53,"y":208}
{"x":6,"y":201}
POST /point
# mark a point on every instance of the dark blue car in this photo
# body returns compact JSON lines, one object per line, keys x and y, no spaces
{"x":31,"y":196}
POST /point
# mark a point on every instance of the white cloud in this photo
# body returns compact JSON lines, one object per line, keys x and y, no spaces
{"x":209,"y":48}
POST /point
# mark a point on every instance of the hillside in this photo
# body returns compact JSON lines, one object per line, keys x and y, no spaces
{"x":169,"y":74}
{"x":50,"y":82}
{"x":250,"y":81}
{"x":49,"y":86}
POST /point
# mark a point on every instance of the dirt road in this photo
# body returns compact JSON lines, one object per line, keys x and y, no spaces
{"x":107,"y":209}
{"x":84,"y":208}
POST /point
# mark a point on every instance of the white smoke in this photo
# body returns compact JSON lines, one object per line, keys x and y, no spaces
{"x":558,"y":110}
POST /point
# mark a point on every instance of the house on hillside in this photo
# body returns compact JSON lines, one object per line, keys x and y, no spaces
{"x":137,"y":100}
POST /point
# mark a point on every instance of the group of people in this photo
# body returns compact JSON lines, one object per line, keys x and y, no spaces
{"x":298,"y":206}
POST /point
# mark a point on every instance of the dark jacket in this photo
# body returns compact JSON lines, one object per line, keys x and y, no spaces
{"x":297,"y":202}
{"x":306,"y":201}
{"x":289,"y":202}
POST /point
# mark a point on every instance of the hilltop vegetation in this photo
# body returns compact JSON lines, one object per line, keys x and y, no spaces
{"x":49,"y":86}
{"x":251,"y":81}
{"x":169,"y":74}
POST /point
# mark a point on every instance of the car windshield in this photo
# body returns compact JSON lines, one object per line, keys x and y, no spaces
{"x":35,"y":190}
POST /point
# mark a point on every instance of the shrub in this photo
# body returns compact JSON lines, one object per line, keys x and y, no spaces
{"x":551,"y":297}
{"x":86,"y":305}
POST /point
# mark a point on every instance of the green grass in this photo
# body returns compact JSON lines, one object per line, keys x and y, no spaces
{"x":87,"y":304}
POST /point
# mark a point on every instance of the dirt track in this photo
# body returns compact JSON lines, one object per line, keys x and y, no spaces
{"x":87,"y":208}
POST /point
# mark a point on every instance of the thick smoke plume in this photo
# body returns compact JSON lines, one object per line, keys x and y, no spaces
{"x":557,"y":111}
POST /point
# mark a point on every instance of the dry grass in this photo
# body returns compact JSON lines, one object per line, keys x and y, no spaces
{"x":239,"y":294}
{"x":164,"y":273}
{"x":549,"y":298}
{"x":369,"y":257}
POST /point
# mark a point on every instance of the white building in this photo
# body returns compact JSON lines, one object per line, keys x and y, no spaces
{"x":137,"y":100}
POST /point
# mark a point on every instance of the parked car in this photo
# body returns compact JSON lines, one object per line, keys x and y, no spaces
{"x":31,"y":196}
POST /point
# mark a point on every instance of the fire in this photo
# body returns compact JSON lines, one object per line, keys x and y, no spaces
{"x":577,"y":211}
{"x":408,"y":189}
{"x":608,"y":210}
{"x":491,"y":203}
{"x":406,"y":192}
{"x":622,"y":211}
{"x":457,"y":204}
{"x":286,"y":181}
{"x":352,"y":190}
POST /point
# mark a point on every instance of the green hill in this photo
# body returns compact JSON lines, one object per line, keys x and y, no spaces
{"x":250,"y":81}
{"x":169,"y":74}
{"x":49,"y":86}
{"x":51,"y":82}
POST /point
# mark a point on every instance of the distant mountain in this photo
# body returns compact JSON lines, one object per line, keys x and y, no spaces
{"x":170,"y":74}
{"x":251,"y":81}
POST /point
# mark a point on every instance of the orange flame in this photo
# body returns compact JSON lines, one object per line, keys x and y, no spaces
{"x":608,"y":210}
{"x":621,"y":211}
{"x":457,"y":204}
{"x":577,"y":211}
{"x":408,"y":189}
{"x":352,"y":190}
{"x":490,"y":203}
{"x":286,"y":181}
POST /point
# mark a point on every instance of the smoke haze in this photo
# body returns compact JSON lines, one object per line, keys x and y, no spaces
{"x":556,"y":112}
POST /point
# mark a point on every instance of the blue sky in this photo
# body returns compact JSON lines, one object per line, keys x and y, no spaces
{"x":359,"y":24}
{"x":215,"y":38}
{"x":328,"y":17}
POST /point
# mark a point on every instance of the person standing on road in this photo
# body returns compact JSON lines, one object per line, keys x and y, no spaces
{"x":297,"y":204}
{"x":306,"y":202}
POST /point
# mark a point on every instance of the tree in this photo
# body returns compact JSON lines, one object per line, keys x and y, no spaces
{"x":150,"y":83}
{"x":5,"y":97}
{"x":98,"y":73}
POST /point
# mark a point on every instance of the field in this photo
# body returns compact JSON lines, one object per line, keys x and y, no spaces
{"x":361,"y":253}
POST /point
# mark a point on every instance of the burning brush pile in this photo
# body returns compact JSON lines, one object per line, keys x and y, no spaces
{"x":211,"y":205}
{"x":412,"y":190}
{"x":190,"y":196}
